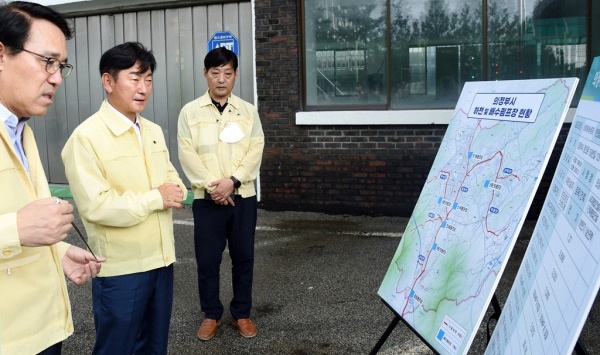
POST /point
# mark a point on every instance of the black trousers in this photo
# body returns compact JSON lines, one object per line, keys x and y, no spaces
{"x":55,"y":349}
{"x":216,"y":226}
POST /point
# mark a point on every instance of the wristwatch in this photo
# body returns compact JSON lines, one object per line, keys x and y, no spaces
{"x":236,"y":183}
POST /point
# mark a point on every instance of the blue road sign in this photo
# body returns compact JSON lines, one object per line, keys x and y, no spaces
{"x":224,"y":39}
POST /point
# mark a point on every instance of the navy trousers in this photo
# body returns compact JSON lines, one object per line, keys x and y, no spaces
{"x":214,"y":227}
{"x":132,"y":313}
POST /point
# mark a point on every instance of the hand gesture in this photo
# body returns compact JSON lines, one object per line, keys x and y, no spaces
{"x":172,"y":195}
{"x":44,"y":222}
{"x":80,"y":265}
{"x":221,"y":194}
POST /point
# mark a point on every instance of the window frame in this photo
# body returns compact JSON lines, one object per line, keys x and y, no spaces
{"x":372,"y":113}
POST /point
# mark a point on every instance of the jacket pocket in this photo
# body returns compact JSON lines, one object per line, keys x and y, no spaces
{"x":6,"y":164}
{"x":17,"y":262}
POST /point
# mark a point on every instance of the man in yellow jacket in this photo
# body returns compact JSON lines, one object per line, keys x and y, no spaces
{"x":35,"y":313}
{"x":125,"y":187}
{"x":221,"y":141}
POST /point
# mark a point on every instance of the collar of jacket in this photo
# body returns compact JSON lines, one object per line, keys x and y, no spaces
{"x":206,"y":100}
{"x":116,"y":125}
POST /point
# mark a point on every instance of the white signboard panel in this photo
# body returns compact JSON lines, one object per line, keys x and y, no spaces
{"x":472,"y":207}
{"x":560,"y":273}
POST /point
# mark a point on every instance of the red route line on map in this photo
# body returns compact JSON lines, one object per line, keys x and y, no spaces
{"x":448,"y":212}
{"x":497,"y":177}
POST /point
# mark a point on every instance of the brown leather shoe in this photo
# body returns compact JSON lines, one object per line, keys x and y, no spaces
{"x":208,"y":328}
{"x":245,"y":326}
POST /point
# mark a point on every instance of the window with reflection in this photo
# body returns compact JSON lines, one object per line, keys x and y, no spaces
{"x":345,"y":52}
{"x":434,"y":47}
{"x":530,"y":39}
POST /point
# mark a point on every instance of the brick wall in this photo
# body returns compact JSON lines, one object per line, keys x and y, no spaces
{"x":367,"y":170}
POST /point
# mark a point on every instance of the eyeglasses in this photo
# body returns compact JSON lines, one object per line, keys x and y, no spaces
{"x":52,"y":64}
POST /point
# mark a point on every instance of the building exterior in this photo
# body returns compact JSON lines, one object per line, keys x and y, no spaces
{"x":354,"y":95}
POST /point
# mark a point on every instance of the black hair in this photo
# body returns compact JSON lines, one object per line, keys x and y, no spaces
{"x":16,"y":18}
{"x":125,"y":56}
{"x":220,"y":56}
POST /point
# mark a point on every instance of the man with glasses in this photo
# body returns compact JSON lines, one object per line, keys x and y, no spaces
{"x":125,"y":187}
{"x":35,"y":314}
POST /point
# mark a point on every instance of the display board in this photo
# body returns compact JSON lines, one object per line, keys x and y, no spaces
{"x":560,"y":273}
{"x":472,"y":207}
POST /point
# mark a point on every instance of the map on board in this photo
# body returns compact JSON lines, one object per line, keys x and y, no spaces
{"x":472,"y":207}
{"x":560,"y":273}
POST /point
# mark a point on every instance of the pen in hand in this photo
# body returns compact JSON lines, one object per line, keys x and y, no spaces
{"x":84,"y":241}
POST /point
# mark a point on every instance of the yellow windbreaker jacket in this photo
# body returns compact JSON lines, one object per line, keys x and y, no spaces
{"x":35,"y":312}
{"x":114,"y":184}
{"x":205,"y":157}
